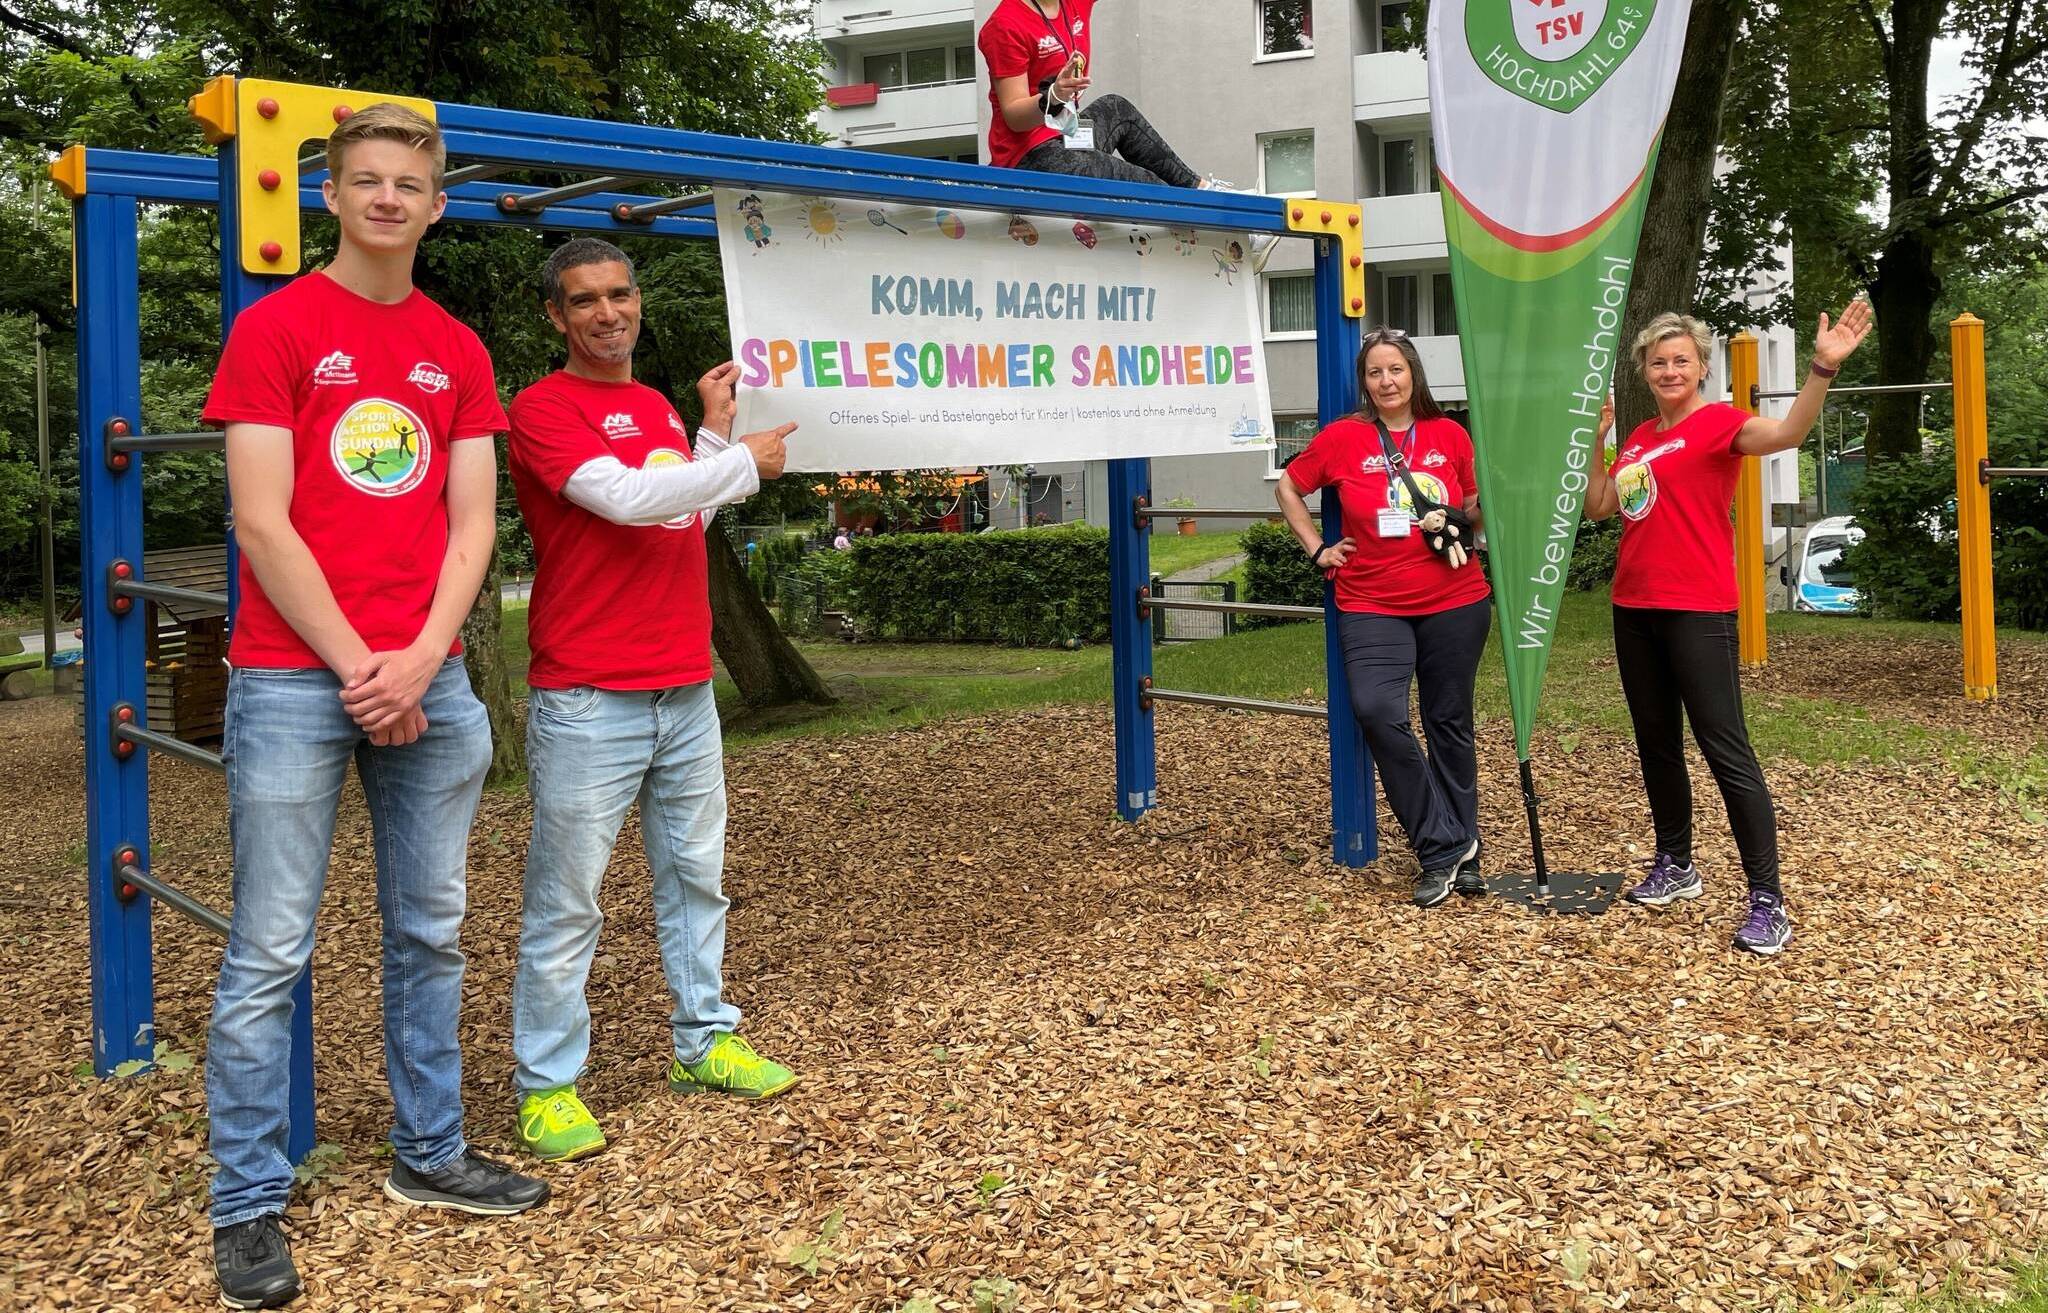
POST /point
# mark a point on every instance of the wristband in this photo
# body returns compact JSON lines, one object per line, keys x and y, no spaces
{"x":1316,"y":558}
{"x":1819,"y":370}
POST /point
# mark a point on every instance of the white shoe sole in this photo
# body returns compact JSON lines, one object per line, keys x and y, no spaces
{"x":457,"y":1205}
{"x":1682,"y":896}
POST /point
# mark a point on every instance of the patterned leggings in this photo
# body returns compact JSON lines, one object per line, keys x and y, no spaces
{"x":1119,"y":130}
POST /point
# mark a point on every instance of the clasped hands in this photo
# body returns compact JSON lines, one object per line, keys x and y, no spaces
{"x":382,"y":694}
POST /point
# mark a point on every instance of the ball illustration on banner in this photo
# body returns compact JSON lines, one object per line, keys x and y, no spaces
{"x":950,"y":224}
{"x":1141,"y":243}
{"x":1084,"y":235}
{"x":1022,"y":231}
{"x":822,"y":218}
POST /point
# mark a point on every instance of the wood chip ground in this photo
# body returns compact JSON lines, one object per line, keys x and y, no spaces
{"x":1186,"y":1064}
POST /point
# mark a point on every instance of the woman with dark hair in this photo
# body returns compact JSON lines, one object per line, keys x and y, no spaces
{"x":1675,"y":599}
{"x":1414,"y":607}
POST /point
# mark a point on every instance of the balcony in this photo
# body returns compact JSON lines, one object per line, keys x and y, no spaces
{"x":858,"y":20}
{"x":1404,"y":229}
{"x":907,"y":116}
{"x":1390,"y":91}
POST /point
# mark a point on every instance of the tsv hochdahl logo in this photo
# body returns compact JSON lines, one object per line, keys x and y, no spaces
{"x":1554,"y":53}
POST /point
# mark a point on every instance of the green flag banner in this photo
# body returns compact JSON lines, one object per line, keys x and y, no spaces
{"x":1547,"y":115}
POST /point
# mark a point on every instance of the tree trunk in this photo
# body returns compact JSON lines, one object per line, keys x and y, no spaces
{"x":1675,"y":226}
{"x":761,"y":660}
{"x":1905,"y":288}
{"x":483,"y":652}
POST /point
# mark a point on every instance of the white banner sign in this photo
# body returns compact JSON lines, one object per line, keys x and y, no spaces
{"x":900,"y":337}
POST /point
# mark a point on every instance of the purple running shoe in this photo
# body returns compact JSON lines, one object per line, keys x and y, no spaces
{"x":1768,"y":929}
{"x":1667,"y":883}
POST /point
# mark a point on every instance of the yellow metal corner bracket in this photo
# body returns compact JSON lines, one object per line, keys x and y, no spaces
{"x":1345,"y":222}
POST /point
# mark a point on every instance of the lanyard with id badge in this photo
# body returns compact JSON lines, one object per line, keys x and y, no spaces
{"x":1395,"y":521}
{"x":1076,"y":132}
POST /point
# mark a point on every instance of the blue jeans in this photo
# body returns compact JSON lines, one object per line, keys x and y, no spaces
{"x":288,"y":746}
{"x":590,"y":753}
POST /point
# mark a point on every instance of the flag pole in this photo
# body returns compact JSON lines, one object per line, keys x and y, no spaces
{"x":1529,"y":801}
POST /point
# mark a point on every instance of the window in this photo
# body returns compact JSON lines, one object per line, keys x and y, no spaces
{"x":926,"y":66}
{"x":1291,"y":305}
{"x":1443,"y":306}
{"x":1401,"y":307}
{"x":1287,"y":164}
{"x":1291,"y":436}
{"x":1397,"y":167}
{"x":1393,"y":16}
{"x":1285,"y":29}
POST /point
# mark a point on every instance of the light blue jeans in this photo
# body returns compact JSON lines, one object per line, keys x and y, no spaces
{"x":589,"y":754}
{"x":288,"y":747}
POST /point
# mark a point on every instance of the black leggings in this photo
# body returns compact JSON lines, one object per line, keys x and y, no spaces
{"x":1678,"y":666}
{"x":1119,"y":130}
{"x":1435,"y":798}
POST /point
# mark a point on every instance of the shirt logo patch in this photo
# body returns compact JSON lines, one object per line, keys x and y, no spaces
{"x":427,"y":377}
{"x":1436,"y":458}
{"x":335,"y":367}
{"x":661,"y":456}
{"x":381,"y":448}
{"x":1049,"y":44}
{"x":675,"y":422}
{"x":618,"y":425}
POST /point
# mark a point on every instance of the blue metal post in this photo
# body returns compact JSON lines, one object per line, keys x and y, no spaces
{"x":1130,"y":637}
{"x":1354,"y":838}
{"x":239,"y":291}
{"x":110,"y":529}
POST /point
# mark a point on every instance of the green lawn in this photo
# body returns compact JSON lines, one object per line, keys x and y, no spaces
{"x":1174,"y":552}
{"x":886,"y":685}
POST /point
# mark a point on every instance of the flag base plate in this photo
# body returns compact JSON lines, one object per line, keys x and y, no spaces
{"x":1571,"y":893}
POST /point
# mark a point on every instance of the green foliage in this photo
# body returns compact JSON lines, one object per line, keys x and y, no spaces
{"x":1593,"y":555}
{"x":1277,"y":572}
{"x":770,"y":559}
{"x":817,"y":584}
{"x":1024,"y":587}
{"x":810,"y":1253}
{"x":1907,"y":566}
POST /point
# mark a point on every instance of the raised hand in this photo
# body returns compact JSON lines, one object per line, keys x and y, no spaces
{"x":1837,"y":342}
{"x":1607,"y":421}
{"x":715,"y":391}
{"x":770,"y":453}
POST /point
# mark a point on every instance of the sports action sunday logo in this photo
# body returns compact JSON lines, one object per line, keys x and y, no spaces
{"x":381,"y":448}
{"x":1554,"y":53}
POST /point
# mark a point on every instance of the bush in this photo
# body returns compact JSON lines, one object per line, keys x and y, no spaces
{"x":1593,"y":555}
{"x":1907,"y":566}
{"x":1024,"y":587}
{"x":771,"y":558}
{"x":1277,"y":572}
{"x":818,"y":584}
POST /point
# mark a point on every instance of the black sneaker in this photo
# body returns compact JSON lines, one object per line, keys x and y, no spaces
{"x":253,"y":1263}
{"x":1469,"y":882}
{"x":1432,"y":887}
{"x":472,"y":1184}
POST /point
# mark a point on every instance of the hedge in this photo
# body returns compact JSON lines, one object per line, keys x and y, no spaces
{"x":1277,"y":572}
{"x":1023,"y":587}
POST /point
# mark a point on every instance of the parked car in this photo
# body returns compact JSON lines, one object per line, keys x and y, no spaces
{"x":1825,"y":584}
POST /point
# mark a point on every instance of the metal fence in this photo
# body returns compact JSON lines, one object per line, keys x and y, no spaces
{"x":1169,"y":626}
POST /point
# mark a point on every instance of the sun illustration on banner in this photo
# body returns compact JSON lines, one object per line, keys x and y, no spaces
{"x":822,"y":218}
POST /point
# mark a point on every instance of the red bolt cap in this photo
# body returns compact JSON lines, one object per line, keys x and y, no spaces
{"x":127,"y":855}
{"x":1358,"y":303}
{"x":1326,"y":216}
{"x":268,"y":180}
{"x":128,"y":891}
{"x":1353,"y":220}
{"x":271,"y":252}
{"x":125,"y":714}
{"x":341,"y":112}
{"x":509,"y":203}
{"x":267,"y":108}
{"x":118,"y":461}
{"x":122,"y":569}
{"x":1296,"y":213}
{"x":121,"y":605}
{"x":124,"y":749}
{"x":1357,"y":260}
{"x":120,"y":427}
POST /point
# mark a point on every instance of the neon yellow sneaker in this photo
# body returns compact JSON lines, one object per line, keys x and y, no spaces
{"x":555,"y":1127}
{"x":731,"y":1067}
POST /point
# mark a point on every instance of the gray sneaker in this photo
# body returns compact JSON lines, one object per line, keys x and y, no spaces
{"x":1469,"y":883}
{"x":1768,"y":929}
{"x":1433,"y":886}
{"x":1667,"y":883}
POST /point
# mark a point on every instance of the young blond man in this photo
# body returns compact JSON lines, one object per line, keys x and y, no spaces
{"x":360,"y":417}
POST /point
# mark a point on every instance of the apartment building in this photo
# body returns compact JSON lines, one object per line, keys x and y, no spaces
{"x":1289,"y":97}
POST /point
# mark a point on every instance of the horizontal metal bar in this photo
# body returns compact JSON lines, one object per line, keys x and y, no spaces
{"x":534,"y":202}
{"x":184,"y":904}
{"x":1990,"y":472}
{"x":312,"y":163}
{"x":1241,"y":704}
{"x":472,"y":173}
{"x":642,"y":213}
{"x":170,"y":747}
{"x":1235,"y":608}
{"x":204,"y":440}
{"x":1861,"y":389}
{"x":150,"y":592}
{"x":1195,"y":512}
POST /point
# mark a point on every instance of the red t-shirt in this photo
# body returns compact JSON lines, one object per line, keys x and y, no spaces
{"x":1019,"y":40}
{"x":620,"y":606}
{"x":1676,"y":487}
{"x":373,"y":394}
{"x":1393,"y":576}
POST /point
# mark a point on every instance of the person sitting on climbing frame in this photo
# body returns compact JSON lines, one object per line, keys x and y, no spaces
{"x":1413,"y":603}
